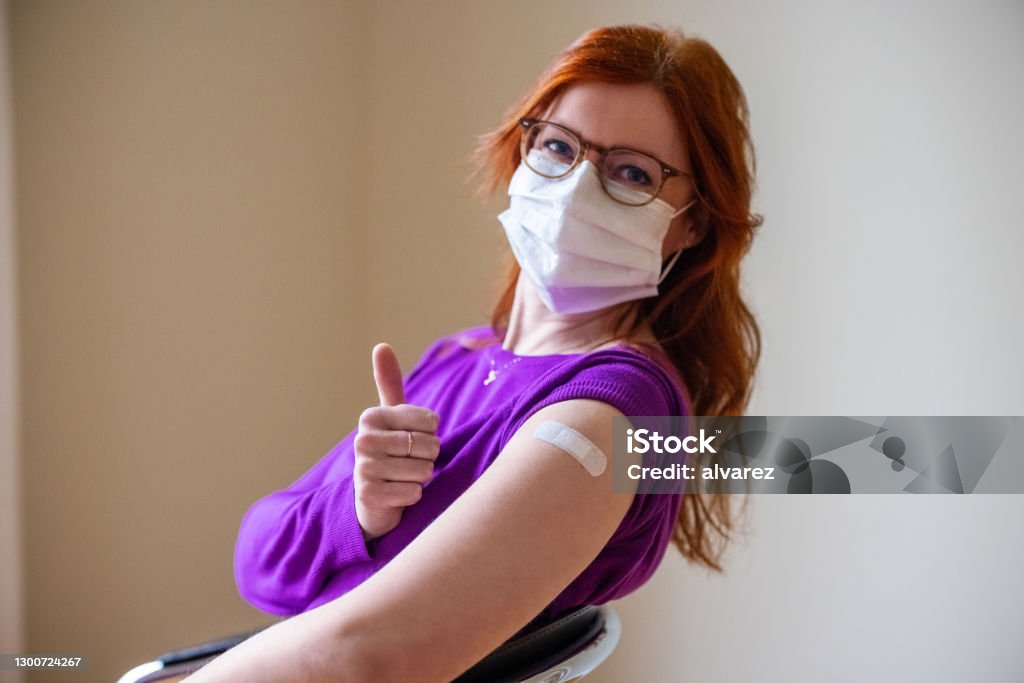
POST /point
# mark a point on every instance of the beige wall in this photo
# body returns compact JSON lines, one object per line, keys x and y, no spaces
{"x":192,"y":246}
{"x":222,"y":206}
{"x":11,"y":602}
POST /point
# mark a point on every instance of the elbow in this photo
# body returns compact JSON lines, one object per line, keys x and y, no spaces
{"x":272,"y":565}
{"x":264,"y":592}
{"x":369,"y":655}
{"x":357,"y":657}
{"x":266,"y":600}
{"x":262,"y":585}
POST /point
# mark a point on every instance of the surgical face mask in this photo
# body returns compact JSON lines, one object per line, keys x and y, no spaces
{"x":581,"y":249}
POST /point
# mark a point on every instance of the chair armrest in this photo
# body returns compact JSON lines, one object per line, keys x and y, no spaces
{"x":204,"y":650}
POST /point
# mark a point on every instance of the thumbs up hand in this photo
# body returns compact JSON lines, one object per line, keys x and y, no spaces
{"x":395,"y":449}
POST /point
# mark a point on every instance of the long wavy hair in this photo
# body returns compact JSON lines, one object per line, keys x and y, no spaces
{"x":704,"y":329}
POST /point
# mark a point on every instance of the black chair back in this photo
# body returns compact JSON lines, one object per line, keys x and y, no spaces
{"x":536,"y":649}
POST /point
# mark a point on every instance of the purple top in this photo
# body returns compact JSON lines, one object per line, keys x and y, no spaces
{"x":301,"y":547}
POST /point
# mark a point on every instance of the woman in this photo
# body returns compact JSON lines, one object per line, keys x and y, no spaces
{"x":444,"y":524}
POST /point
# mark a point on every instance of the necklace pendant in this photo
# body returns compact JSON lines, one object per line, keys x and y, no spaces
{"x":492,"y":374}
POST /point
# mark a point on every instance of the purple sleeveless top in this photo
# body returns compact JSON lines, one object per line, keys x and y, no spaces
{"x":302,"y":546}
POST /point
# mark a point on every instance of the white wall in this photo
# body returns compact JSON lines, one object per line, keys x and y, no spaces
{"x":889,"y":145}
{"x":889,"y":142}
{"x":10,"y":472}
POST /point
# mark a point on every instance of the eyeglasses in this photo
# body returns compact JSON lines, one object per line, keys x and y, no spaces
{"x":627,"y":176}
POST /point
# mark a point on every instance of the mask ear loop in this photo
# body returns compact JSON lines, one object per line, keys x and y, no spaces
{"x":675,"y":257}
{"x":671,"y":263}
{"x":680,"y":211}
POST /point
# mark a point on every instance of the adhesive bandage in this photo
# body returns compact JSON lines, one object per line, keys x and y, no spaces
{"x":573,"y":443}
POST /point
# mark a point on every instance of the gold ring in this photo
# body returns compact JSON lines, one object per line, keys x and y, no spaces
{"x":410,"y":444}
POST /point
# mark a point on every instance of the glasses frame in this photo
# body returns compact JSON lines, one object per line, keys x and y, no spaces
{"x":667,"y":171}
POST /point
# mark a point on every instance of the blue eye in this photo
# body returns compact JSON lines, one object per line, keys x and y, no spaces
{"x":560,"y":148}
{"x":634,"y":176}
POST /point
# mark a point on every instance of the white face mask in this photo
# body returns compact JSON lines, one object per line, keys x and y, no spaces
{"x":582,"y":250}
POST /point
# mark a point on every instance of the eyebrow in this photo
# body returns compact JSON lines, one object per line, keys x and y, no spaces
{"x":656,"y":157}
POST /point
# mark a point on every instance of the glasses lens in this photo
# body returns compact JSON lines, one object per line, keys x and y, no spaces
{"x":631,"y":177}
{"x":549,"y":150}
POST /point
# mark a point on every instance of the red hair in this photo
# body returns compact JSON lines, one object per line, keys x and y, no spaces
{"x":699,"y":318}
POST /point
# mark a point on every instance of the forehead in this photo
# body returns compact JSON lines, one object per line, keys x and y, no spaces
{"x":633,"y":115}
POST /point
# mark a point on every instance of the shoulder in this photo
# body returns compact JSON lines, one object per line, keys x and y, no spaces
{"x":627,"y":380}
{"x":635,"y":381}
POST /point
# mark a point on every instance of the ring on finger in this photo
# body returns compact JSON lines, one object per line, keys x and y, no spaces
{"x":410,"y":444}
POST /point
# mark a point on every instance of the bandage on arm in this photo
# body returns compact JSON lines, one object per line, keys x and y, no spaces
{"x":581,"y":448}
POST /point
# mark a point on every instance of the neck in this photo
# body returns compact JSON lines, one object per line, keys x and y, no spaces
{"x":534,"y":330}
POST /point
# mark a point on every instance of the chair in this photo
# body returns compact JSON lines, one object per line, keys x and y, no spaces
{"x":557,"y":652}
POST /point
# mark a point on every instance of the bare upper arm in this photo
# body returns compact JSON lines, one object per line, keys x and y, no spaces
{"x":491,"y":562}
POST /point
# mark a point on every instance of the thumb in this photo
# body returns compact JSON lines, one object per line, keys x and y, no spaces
{"x":387,"y":374}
